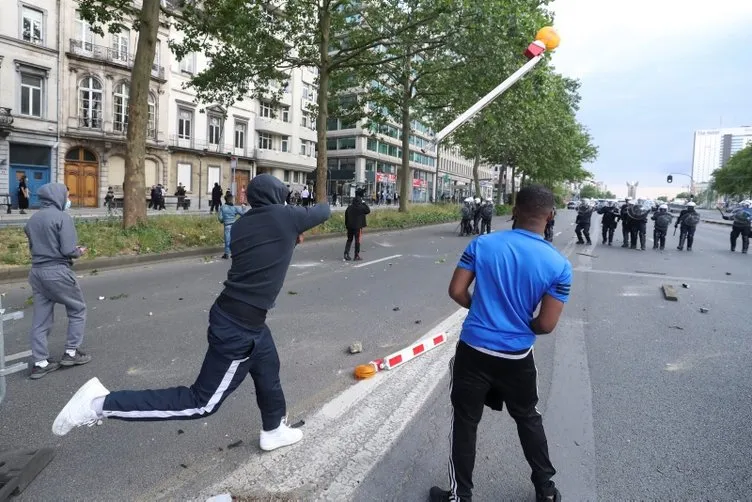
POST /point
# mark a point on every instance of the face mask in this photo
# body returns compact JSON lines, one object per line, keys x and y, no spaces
{"x":67,"y":204}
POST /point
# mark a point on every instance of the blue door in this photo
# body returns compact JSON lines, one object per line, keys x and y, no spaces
{"x":36,"y":176}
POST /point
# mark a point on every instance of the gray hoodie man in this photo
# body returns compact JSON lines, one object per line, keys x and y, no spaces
{"x":53,"y":244}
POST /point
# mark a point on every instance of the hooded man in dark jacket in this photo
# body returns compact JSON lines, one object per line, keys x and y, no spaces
{"x":262,"y":244}
{"x":216,"y":200}
{"x":355,"y":222}
{"x":53,"y":244}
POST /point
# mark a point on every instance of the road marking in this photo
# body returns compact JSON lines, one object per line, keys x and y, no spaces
{"x":19,"y":355}
{"x":349,"y":435}
{"x":366,"y":263}
{"x":557,"y":234}
{"x":662,"y":277}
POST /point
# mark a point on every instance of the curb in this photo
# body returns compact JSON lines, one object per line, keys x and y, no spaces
{"x":718,"y":222}
{"x":107,"y":263}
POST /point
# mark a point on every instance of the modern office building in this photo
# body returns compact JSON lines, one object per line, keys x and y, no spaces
{"x":714,"y":147}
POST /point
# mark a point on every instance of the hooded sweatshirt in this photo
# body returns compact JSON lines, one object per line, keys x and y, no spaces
{"x":262,"y":242}
{"x":51,"y":232}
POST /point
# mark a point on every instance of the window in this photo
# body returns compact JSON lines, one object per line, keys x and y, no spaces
{"x":346,"y":143}
{"x":152,"y":127}
{"x":90,"y":103}
{"x":265,"y":141}
{"x":308,"y":121}
{"x":215,"y":129}
{"x":265,"y":110}
{"x":309,"y":92}
{"x":332,"y":124}
{"x":285,"y":144}
{"x":285,"y":114}
{"x":157,"y":57}
{"x":84,"y":33}
{"x":121,"y":108}
{"x":331,"y":144}
{"x":302,"y":147}
{"x":120,"y":46}
{"x":372,"y":145}
{"x":31,"y":95}
{"x":188,"y":63}
{"x":307,"y":148}
{"x":185,"y":119}
{"x":287,"y":176}
{"x":32,"y":24}
{"x":185,"y":175}
{"x":214,"y":177}
{"x":240,"y":135}
{"x":383,"y":148}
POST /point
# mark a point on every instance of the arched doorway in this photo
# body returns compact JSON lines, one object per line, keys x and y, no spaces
{"x":82,"y":177}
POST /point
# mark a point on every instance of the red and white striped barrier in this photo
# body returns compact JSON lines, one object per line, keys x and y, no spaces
{"x":411,"y":352}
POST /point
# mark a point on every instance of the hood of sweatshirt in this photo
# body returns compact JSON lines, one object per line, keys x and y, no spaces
{"x":266,"y":190}
{"x":53,"y":195}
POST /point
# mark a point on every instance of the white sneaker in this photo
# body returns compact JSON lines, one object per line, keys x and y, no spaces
{"x":279,"y":437}
{"x":79,"y":409}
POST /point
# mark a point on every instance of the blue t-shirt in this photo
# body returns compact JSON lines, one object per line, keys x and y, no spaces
{"x":513,"y":271}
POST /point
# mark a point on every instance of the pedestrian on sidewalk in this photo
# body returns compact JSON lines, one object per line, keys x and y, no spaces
{"x":240,"y":342}
{"x":513,"y":272}
{"x":227,"y":215}
{"x":23,"y":195}
{"x":53,"y":244}
{"x":216,"y":200}
{"x":355,"y":222}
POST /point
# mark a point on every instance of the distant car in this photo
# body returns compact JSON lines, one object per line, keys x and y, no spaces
{"x":572,"y":204}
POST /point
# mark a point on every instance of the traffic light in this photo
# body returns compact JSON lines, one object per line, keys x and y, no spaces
{"x":669,"y":179}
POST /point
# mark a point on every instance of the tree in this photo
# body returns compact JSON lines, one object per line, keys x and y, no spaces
{"x":589,"y":192}
{"x":250,"y":42}
{"x":735,"y":178}
{"x":683,"y":195}
{"x":663,"y":198}
{"x":114,"y":15}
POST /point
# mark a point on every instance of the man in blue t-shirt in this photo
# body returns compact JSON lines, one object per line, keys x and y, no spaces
{"x":514,"y":272}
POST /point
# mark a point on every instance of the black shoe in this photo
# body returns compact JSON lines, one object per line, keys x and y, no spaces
{"x":610,"y":243}
{"x":589,"y":243}
{"x":38,"y":372}
{"x":76,"y":360}
{"x":689,"y":249}
{"x":733,"y":250}
{"x":662,"y":248}
{"x":553,"y":497}
{"x":436,"y":494}
{"x":347,"y":257}
{"x":642,"y":248}
{"x":358,"y":258}
{"x":580,"y":242}
{"x":604,"y":243}
{"x":225,"y":256}
{"x":744,"y":251}
{"x":680,"y":248}
{"x":655,"y":247}
{"x":633,"y":247}
{"x":624,"y":246}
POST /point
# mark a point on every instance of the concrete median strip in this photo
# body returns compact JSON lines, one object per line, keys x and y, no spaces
{"x":348,"y":436}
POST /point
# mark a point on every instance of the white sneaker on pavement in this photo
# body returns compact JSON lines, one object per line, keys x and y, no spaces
{"x":79,"y":410}
{"x":279,"y":437}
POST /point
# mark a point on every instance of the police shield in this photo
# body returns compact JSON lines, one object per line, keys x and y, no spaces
{"x":637,"y":212}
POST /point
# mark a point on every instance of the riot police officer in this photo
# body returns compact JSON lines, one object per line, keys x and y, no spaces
{"x":609,"y":221}
{"x":476,"y":215}
{"x":486,"y":214}
{"x":688,"y":219}
{"x":625,"y":230}
{"x":638,"y":215}
{"x":742,"y":218}
{"x":466,"y":227}
{"x":584,"y":214}
{"x":662,"y":220}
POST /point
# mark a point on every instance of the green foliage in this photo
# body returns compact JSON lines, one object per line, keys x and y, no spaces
{"x":683,"y":195}
{"x":592,"y":192}
{"x":663,"y":198}
{"x":502,"y":210}
{"x":735,"y":178}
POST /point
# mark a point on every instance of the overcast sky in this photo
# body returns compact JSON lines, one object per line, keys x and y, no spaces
{"x":652,"y":72}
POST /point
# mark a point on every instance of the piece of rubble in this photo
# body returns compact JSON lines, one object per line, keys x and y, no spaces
{"x":356,"y":348}
{"x":669,"y":293}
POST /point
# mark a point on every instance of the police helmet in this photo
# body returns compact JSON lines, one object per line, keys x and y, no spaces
{"x":691,"y":204}
{"x":663,"y":207}
{"x":477,"y":200}
{"x":746,"y":204}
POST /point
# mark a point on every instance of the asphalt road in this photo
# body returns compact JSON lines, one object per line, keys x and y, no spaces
{"x":150,"y":331}
{"x":643,"y":399}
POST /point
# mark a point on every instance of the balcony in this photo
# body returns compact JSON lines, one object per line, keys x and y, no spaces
{"x":6,"y":121}
{"x":284,"y":160}
{"x":273,"y":126}
{"x":121,"y":58}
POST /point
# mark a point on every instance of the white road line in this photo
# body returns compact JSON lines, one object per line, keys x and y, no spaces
{"x":557,"y":234}
{"x":663,"y":277}
{"x":366,"y":263}
{"x":19,"y":355}
{"x":349,"y":435}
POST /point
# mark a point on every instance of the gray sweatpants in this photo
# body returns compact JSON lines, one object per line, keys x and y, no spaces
{"x":51,"y":285}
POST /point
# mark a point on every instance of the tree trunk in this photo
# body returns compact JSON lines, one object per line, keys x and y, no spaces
{"x":406,"y":185}
{"x":322,"y":100}
{"x":514,"y":186}
{"x":134,"y":184}
{"x":500,"y":186}
{"x":476,"y":175}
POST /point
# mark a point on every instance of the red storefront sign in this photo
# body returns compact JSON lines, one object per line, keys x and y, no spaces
{"x":419,"y":183}
{"x":386,"y":178}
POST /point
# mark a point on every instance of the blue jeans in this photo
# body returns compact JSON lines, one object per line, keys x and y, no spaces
{"x":234,"y":352}
{"x":227,"y":238}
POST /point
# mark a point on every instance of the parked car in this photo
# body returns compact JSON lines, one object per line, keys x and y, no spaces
{"x":572,"y":204}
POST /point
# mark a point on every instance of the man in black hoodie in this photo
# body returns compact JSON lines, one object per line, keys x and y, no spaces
{"x":262,"y":244}
{"x":355,"y":222}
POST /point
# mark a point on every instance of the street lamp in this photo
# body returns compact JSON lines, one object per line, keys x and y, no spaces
{"x":545,"y":40}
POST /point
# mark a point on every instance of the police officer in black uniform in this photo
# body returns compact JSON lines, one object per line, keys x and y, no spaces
{"x":608,"y":221}
{"x":742,"y":218}
{"x":625,"y":230}
{"x":688,"y":219}
{"x":638,"y":224}
{"x":584,"y":214}
{"x":662,"y":219}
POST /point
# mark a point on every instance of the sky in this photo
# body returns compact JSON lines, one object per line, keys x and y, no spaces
{"x":653,"y":72}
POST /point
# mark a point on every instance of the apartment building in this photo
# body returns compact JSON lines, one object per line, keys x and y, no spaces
{"x":29,"y":122}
